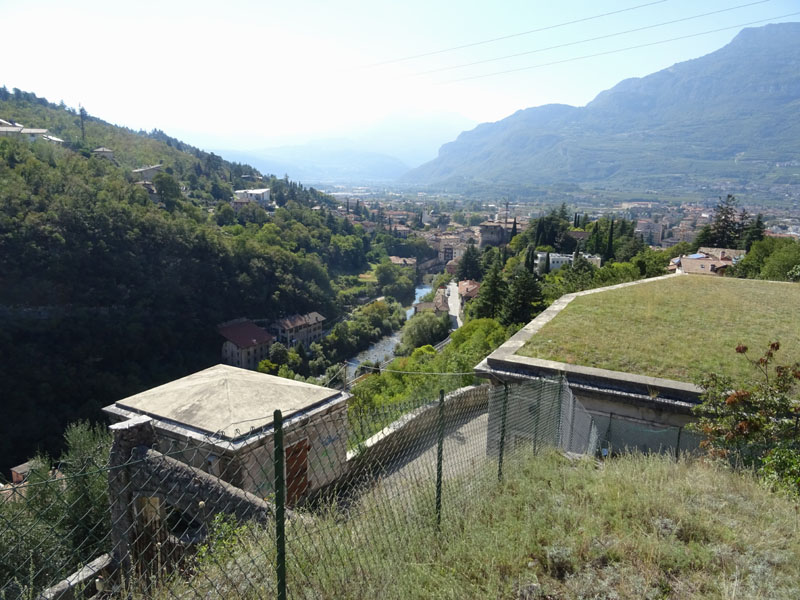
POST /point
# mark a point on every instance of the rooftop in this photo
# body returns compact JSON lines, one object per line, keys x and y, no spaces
{"x":225,"y":400}
{"x":244,"y":333}
{"x":675,"y":327}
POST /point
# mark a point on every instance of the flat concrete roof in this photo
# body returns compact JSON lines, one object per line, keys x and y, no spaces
{"x":225,"y":400}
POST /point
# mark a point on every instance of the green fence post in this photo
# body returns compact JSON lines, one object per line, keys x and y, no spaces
{"x":280,"y":507}
{"x":440,"y":460}
{"x":502,"y":432}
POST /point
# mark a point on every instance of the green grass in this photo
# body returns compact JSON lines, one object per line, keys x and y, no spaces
{"x":636,"y":527}
{"x":678,"y":328}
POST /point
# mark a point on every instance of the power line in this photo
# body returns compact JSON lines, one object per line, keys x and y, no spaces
{"x":593,"y":39}
{"x":618,"y":50}
{"x":513,"y":35}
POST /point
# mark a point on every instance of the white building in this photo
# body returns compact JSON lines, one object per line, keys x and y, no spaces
{"x":260,"y":195}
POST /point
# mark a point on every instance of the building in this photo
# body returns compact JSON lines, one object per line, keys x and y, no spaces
{"x":440,"y":305}
{"x":299,"y":329}
{"x":702,"y":264}
{"x":467,"y":290}
{"x":650,"y":231}
{"x":559,"y":260}
{"x":261,"y":196}
{"x":246,"y":344}
{"x":491,"y":234}
{"x":104,"y":152}
{"x":146,"y":173}
{"x":401,"y":231}
{"x":220,"y":420}
{"x":403,"y":262}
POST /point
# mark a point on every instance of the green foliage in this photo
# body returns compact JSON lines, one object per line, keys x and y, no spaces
{"x":469,"y":266}
{"x":524,"y":300}
{"x":58,"y":523}
{"x":492,"y":293}
{"x":770,"y":258}
{"x":421,"y":330}
{"x":278,"y":354}
{"x":105,"y":293}
{"x":417,"y":378}
{"x":222,"y":541}
{"x":755,"y":423}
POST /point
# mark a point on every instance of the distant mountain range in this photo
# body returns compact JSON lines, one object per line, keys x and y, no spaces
{"x":734,"y":113}
{"x":379,"y":154}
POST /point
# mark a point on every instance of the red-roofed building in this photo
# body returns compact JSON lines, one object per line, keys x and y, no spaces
{"x":467,"y":290}
{"x":246,"y":344}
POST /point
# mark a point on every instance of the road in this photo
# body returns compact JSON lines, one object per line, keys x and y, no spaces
{"x":455,"y":305}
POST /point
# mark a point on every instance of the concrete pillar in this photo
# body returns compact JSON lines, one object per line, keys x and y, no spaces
{"x":127,"y":436}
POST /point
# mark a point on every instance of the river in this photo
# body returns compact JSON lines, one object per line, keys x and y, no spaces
{"x":384,"y":347}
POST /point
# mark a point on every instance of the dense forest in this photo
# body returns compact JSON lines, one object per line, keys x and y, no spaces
{"x":106,"y":290}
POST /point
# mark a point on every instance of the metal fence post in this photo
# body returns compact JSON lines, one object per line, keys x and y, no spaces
{"x":440,"y":460}
{"x":678,"y":444}
{"x":502,"y":432}
{"x":280,"y":507}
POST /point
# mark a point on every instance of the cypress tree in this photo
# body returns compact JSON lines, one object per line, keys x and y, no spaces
{"x":610,"y":247}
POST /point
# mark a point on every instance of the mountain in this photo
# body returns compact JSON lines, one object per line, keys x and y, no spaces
{"x":730,"y":114}
{"x":329,"y":161}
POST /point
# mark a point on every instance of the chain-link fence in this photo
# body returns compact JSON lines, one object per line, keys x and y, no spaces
{"x":318,"y":504}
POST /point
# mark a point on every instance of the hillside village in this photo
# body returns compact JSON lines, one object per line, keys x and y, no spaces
{"x":227,"y":383}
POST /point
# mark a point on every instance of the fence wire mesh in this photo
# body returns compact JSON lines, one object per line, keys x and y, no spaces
{"x":328,"y":504}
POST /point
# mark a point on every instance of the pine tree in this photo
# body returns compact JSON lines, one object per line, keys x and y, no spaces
{"x":469,"y":266}
{"x":490,"y":298}
{"x":546,"y":269}
{"x":524,"y":299}
{"x":725,"y":226}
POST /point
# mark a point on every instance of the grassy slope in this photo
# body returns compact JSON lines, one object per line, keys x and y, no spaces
{"x":677,"y":329}
{"x":638,"y":527}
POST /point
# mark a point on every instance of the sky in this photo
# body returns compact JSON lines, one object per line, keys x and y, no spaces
{"x":250,"y":75}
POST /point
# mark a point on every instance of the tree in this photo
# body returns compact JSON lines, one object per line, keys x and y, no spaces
{"x":609,"y":253}
{"x":755,"y":423}
{"x":725,"y":227}
{"x":524,"y":299}
{"x":424,"y":328}
{"x":278,"y":354}
{"x":168,"y":190}
{"x":752,"y":232}
{"x":469,"y":266}
{"x":490,"y":298}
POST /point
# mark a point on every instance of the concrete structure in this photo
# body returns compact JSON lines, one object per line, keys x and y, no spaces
{"x":440,"y":305}
{"x":401,"y":231}
{"x":299,"y":329}
{"x":104,"y":152}
{"x":220,"y":421}
{"x":650,"y":231}
{"x":246,"y":344}
{"x":625,"y":397}
{"x":491,"y":234}
{"x":261,"y":196}
{"x":559,"y":260}
{"x":146,"y":173}
{"x":403,"y":262}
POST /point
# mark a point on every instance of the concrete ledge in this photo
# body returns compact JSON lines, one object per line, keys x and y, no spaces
{"x":80,"y":579}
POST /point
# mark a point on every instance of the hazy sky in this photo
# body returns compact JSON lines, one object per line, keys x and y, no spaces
{"x":255,"y":74}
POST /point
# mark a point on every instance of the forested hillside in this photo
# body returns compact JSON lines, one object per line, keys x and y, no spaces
{"x":104,"y":293}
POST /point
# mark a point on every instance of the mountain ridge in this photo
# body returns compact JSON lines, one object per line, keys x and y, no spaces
{"x":693,"y":119}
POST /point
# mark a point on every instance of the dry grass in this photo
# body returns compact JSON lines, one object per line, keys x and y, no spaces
{"x":638,"y":527}
{"x":678,"y":328}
